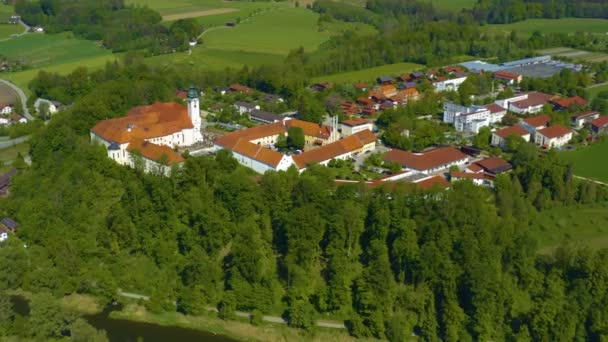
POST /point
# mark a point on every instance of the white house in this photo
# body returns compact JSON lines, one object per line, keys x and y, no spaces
{"x":473,"y":118}
{"x":579,"y":120}
{"x":148,"y":134}
{"x":449,"y":85}
{"x":53,"y":105}
{"x":245,"y":107}
{"x":428,"y":162}
{"x":553,"y":136}
{"x":527,"y":103}
{"x":499,"y":137}
{"x":5,"y":108}
{"x":352,"y":126}
{"x":480,"y":179}
{"x":535,"y":123}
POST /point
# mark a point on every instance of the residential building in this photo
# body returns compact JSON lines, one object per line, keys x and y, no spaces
{"x":579,"y":120}
{"x":263,"y":116}
{"x":499,"y":137}
{"x":527,"y":103}
{"x":471,"y":119}
{"x":54,"y":106}
{"x":553,"y":136}
{"x":384,"y":80}
{"x":147,"y":135}
{"x":239,"y":88}
{"x":9,"y":224}
{"x":510,"y":78}
{"x":562,"y":104}
{"x":599,"y":125}
{"x":491,"y":165}
{"x":244,"y":107}
{"x":449,"y":84}
{"x":350,"y":127}
{"x":480,"y":179}
{"x":386,"y":90}
{"x":3,"y":234}
{"x":431,"y":161}
{"x":433,"y":182}
{"x":535,"y":123}
{"x":319,"y":87}
{"x":6,"y":108}
{"x":5,"y":181}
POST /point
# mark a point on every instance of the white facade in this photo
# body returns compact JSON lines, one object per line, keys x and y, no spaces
{"x":511,"y":105}
{"x":470,"y":119}
{"x":3,"y":236}
{"x":499,"y":141}
{"x":350,"y":130}
{"x":554,"y":142}
{"x":449,"y":85}
{"x":52,"y":107}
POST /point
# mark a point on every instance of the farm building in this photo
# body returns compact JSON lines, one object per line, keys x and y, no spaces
{"x":579,"y":120}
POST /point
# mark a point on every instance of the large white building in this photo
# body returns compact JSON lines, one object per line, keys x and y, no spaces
{"x":428,"y":162}
{"x":554,"y":136}
{"x":473,"y":118}
{"x":147,"y":136}
{"x":527,"y":103}
{"x":449,"y":85}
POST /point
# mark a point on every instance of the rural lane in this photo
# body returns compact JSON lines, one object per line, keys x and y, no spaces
{"x":591,"y":180}
{"x":26,"y":111}
{"x":271,"y":319}
{"x":26,"y":29}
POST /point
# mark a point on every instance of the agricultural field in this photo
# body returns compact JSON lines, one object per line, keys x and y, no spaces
{"x":6,"y":30}
{"x":590,"y":162}
{"x":596,"y":89}
{"x":210,"y":59}
{"x":563,"y":25}
{"x":9,"y":155}
{"x":7,"y":95}
{"x":369,"y":75}
{"x":578,"y":227}
{"x":580,"y":56}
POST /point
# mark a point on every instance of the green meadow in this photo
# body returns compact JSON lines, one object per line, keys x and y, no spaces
{"x":6,"y":30}
{"x":590,"y":162}
{"x":210,"y":59}
{"x":563,"y":25}
{"x":594,"y":90}
{"x":369,"y":75}
{"x":453,"y":5}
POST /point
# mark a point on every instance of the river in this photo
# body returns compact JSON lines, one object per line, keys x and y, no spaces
{"x":121,"y":330}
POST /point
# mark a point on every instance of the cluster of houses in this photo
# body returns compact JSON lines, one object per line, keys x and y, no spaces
{"x":7,"y":226}
{"x":8,"y":115}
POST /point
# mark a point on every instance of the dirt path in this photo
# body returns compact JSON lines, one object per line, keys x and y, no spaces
{"x":173,"y":17}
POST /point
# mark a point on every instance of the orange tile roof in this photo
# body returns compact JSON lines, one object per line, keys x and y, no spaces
{"x":154,"y":152}
{"x":241,"y":88}
{"x":554,"y":131}
{"x":600,"y":122}
{"x":567,"y":102}
{"x":427,"y":160}
{"x":310,"y":128}
{"x":146,"y":122}
{"x":474,"y":168}
{"x":494,"y":164}
{"x":507,"y":75}
{"x":410,"y":92}
{"x":355,"y":122}
{"x":534,"y":99}
{"x":432,"y":182}
{"x":494,"y":108}
{"x":513,"y":130}
{"x":538,"y":121}
{"x":340,"y":147}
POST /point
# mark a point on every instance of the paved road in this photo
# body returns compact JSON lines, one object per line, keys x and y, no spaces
{"x":13,"y":142}
{"x":271,"y":319}
{"x":591,"y":180}
{"x":26,"y":111}
{"x":597,"y":85}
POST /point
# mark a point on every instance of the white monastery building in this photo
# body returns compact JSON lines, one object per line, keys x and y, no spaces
{"x":473,"y":118}
{"x":152,"y":132}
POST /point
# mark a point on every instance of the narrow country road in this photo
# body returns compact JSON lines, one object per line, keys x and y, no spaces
{"x":26,"y":111}
{"x":26,"y":29}
{"x":271,"y":319}
{"x":597,"y":85}
{"x":591,"y":180}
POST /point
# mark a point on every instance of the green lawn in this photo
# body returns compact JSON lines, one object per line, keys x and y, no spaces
{"x":177,"y":6}
{"x":580,"y":56}
{"x":5,"y":12}
{"x":593,"y":91}
{"x":368,"y":75}
{"x":10,"y":154}
{"x":273,"y":32}
{"x":563,"y":25}
{"x":453,"y":5}
{"x":212,"y":59}
{"x":7,"y":30}
{"x":590,"y":162}
{"x":41,"y":49}
{"x":576,"y":226}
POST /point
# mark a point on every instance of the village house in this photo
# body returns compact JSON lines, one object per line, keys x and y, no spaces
{"x":54,"y":106}
{"x":320,"y":87}
{"x":5,"y":181}
{"x":384,"y":80}
{"x":473,"y":118}
{"x":499,"y":137}
{"x":431,"y":161}
{"x":599,"y":125}
{"x":16,"y":118}
{"x":147,"y":135}
{"x":350,"y":127}
{"x":387,"y":90}
{"x":535,"y":123}
{"x":579,"y":120}
{"x":554,"y":136}
{"x":527,"y":103}
{"x":570,"y":102}
{"x":449,"y":84}
{"x":491,"y":166}
{"x":6,"y":109}
{"x":264,"y":117}
{"x":509,"y":78}
{"x":239,"y":88}
{"x":361,"y":86}
{"x":7,"y":225}
{"x":479,"y":179}
{"x":244,"y":107}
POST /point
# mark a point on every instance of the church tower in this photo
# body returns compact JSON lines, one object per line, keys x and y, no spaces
{"x":194,"y":112}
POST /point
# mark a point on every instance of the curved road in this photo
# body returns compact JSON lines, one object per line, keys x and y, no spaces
{"x":26,"y":111}
{"x":26,"y":29}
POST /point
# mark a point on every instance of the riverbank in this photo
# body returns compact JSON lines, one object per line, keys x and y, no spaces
{"x":239,"y":330}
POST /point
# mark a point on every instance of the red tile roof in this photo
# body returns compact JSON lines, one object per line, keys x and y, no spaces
{"x":507,"y":75}
{"x":554,"y":131}
{"x":600,"y":122}
{"x":494,"y":164}
{"x":512,"y":130}
{"x":154,"y":152}
{"x":427,"y":160}
{"x":534,"y":99}
{"x":356,"y":122}
{"x":584,"y":115}
{"x":474,"y":168}
{"x":145,"y":122}
{"x":567,"y":102}
{"x":335,"y":149}
{"x":433,"y":182}
{"x":538,"y":121}
{"x":494,"y":108}
{"x":360,"y":85}
{"x":241,"y":88}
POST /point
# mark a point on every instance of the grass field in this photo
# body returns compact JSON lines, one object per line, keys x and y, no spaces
{"x":7,"y":30}
{"x":41,"y":49}
{"x":578,"y":227}
{"x":564,"y":25}
{"x":8,"y":155}
{"x":210,"y":59}
{"x":590,"y":162}
{"x":593,"y":91}
{"x":5,"y":12}
{"x":368,"y":75}
{"x":580,"y":56}
{"x":7,"y":95}
{"x":453,"y":5}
